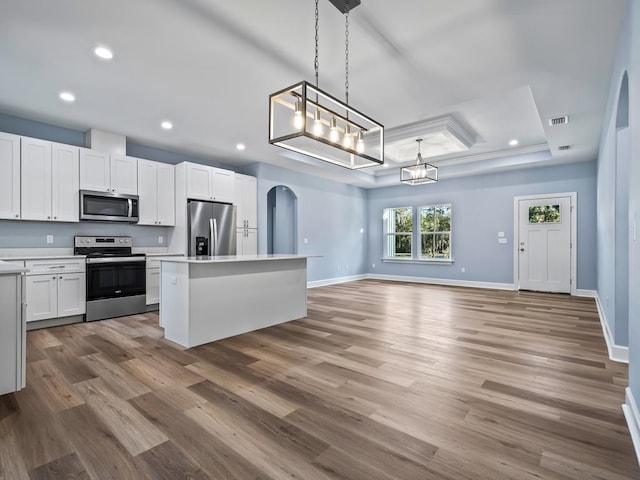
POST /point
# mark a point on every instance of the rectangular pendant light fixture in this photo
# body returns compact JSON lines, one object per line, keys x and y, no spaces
{"x":307,"y":120}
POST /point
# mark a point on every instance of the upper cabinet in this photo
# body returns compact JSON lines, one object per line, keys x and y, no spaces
{"x":102,"y":172}
{"x":210,"y":183}
{"x":49,"y":181}
{"x":10,"y":177}
{"x":156,"y":184}
{"x":246,"y":195}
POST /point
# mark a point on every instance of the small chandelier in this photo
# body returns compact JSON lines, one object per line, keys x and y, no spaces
{"x":307,"y":120}
{"x":420,"y":173}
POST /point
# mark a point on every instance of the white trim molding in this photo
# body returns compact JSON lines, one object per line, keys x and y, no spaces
{"x":580,"y":292}
{"x":335,"y":281}
{"x":632,"y":415}
{"x":617,"y":353}
{"x":443,"y":281}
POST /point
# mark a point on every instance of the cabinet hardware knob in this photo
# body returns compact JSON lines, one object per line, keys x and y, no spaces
{"x":55,"y":218}
{"x":17,"y":215}
{"x":48,"y":217}
{"x":54,"y":278}
{"x":60,"y":278}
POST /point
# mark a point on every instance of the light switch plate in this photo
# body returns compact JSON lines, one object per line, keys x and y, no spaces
{"x":305,"y":241}
{"x":49,"y":238}
{"x":160,"y":239}
{"x":502,"y":240}
{"x":500,"y":234}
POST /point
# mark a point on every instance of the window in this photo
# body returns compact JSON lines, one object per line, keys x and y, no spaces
{"x":398,"y":230}
{"x":435,"y":232}
{"x":544,"y":214}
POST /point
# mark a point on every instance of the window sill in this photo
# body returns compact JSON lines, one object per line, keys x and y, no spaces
{"x":418,"y":261}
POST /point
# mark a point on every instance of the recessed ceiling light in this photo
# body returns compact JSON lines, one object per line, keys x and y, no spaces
{"x":385,"y":165}
{"x":103,"y":52}
{"x":513,"y":142}
{"x":166,"y":125}
{"x":67,"y":96}
{"x":240,"y":146}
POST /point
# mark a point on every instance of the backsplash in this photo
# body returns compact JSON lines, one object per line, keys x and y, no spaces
{"x":27,"y":234}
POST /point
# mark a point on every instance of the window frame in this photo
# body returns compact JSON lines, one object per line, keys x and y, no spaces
{"x":435,"y":233}
{"x":388,"y":243}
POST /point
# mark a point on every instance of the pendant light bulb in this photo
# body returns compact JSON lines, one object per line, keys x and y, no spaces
{"x":347,"y":141}
{"x":298,"y":121}
{"x":360,"y":142}
{"x":318,"y":129}
{"x":333,"y":130}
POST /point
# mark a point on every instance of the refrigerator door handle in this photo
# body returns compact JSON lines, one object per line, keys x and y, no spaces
{"x":215,"y":238}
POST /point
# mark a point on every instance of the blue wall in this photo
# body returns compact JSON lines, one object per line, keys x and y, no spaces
{"x":331,"y":216}
{"x":482,"y":206}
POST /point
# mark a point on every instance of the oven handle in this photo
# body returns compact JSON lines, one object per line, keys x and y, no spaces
{"x":116,"y":260}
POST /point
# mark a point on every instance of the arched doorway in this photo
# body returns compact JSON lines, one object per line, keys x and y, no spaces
{"x":282,"y":220}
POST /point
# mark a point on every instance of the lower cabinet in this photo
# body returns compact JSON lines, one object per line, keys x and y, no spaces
{"x":12,"y":334}
{"x":55,"y":294}
{"x":153,"y":285}
{"x":246,"y":241}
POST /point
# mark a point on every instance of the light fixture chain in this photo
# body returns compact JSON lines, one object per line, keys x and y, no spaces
{"x":346,"y":52}
{"x":316,"y":63}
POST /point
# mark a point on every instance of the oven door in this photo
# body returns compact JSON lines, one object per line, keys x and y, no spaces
{"x":115,"y":277}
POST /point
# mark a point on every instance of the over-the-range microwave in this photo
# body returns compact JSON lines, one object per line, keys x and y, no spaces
{"x":108,"y":206}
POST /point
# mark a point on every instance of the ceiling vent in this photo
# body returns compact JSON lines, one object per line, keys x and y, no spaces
{"x":562,"y":148}
{"x":558,"y":121}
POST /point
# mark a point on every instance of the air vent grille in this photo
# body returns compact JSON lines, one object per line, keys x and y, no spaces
{"x":558,"y":121}
{"x":562,"y":148}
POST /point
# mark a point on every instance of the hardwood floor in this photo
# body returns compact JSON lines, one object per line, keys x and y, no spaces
{"x":380,"y":381}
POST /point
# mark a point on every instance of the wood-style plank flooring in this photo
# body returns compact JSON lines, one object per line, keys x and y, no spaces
{"x":380,"y":381}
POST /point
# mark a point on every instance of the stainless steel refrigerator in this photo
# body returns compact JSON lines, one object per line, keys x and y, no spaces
{"x":211,"y":228}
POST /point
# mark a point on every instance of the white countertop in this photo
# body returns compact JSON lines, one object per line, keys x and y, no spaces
{"x":234,"y":258}
{"x":155,"y":254}
{"x":10,"y":268}
{"x":42,"y":257}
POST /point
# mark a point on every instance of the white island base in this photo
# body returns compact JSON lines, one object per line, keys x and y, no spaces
{"x":204,"y":299}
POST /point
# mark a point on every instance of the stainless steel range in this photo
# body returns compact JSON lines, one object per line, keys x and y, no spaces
{"x":116,"y":278}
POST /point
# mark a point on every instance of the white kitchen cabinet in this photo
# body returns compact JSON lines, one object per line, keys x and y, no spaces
{"x":153,"y":285}
{"x":102,"y":172}
{"x":10,"y":177}
{"x":246,"y":200}
{"x":156,"y":189}
{"x":49,"y":181}
{"x":12,"y":334}
{"x":210,"y":183}
{"x":55,"y":288}
{"x":247,"y":241}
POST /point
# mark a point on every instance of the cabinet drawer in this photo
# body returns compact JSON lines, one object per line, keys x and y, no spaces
{"x":39,"y":267}
{"x":17,"y":263}
{"x":153,"y":263}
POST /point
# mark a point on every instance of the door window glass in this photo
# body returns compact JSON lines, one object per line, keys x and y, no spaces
{"x":544,"y":214}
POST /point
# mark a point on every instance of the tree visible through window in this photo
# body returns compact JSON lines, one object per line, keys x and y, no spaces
{"x":435,"y":232}
{"x":398,"y":232}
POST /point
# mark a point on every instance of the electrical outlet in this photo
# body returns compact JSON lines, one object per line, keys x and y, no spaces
{"x":373,"y":265}
{"x":338,"y":267}
{"x":49,"y":238}
{"x":346,"y":267}
{"x":305,"y":241}
{"x":160,"y":239}
{"x":463,"y":270}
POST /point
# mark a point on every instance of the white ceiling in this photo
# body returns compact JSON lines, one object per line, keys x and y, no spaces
{"x":501,"y":68}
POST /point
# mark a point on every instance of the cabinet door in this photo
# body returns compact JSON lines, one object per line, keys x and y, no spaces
{"x":166,"y":195}
{"x":95,"y":170}
{"x":250,"y":201}
{"x":72,"y":294}
{"x":223,"y":185}
{"x":148,"y":192}
{"x":250,"y":242}
{"x":240,"y":241}
{"x":11,"y":361}
{"x":10,"y":177}
{"x":41,"y":297}
{"x":124,"y":174}
{"x":35,"y":179}
{"x":153,"y":286}
{"x":198,"y":182}
{"x":65,"y":183}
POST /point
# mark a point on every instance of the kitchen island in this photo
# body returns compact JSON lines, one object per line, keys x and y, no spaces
{"x":12,"y":328}
{"x":204,"y":299}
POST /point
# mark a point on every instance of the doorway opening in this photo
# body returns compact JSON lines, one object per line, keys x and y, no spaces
{"x":282,"y":220}
{"x":545,"y":257}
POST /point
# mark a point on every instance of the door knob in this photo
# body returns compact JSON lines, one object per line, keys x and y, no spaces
{"x":522,"y":249}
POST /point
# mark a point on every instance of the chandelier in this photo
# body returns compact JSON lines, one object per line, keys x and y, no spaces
{"x":420,"y":173}
{"x":307,"y":120}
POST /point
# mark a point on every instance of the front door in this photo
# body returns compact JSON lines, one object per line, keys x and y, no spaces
{"x":544,"y":244}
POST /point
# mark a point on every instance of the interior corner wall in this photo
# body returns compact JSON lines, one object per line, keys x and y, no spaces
{"x":633,"y":71}
{"x":482,"y":206}
{"x":612,"y":205}
{"x":331,"y":216}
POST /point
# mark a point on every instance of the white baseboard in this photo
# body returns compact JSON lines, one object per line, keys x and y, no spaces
{"x":586,"y":293}
{"x":444,"y":281}
{"x":334,"y":281}
{"x":617,"y":353}
{"x":631,"y":413}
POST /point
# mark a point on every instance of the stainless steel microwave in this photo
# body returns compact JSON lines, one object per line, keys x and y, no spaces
{"x":108,"y":207}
